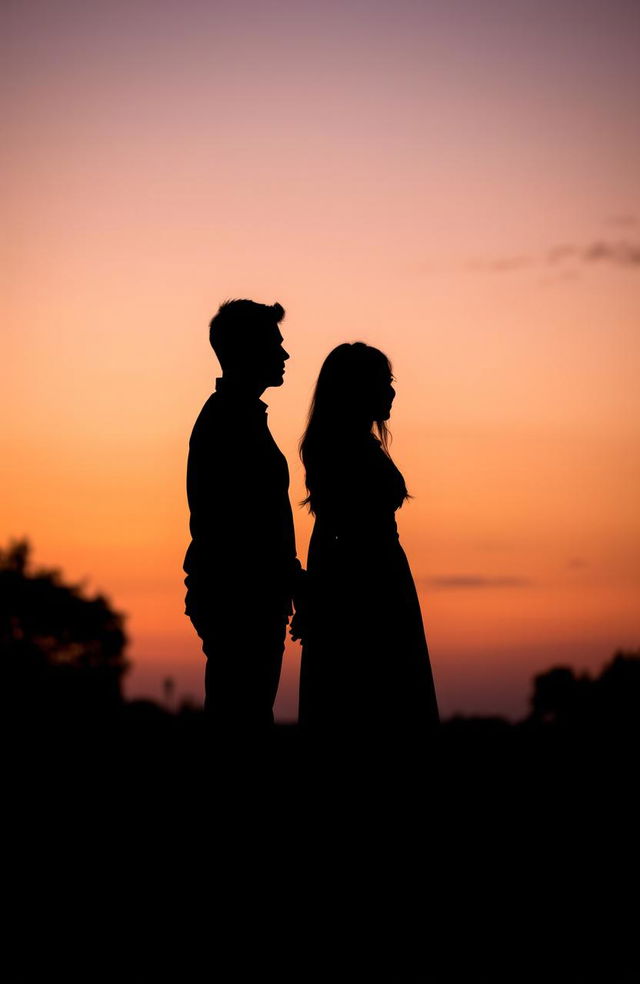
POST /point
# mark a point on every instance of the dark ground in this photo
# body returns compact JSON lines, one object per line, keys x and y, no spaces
{"x":135,"y":851}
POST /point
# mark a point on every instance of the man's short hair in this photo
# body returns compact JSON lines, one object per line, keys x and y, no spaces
{"x":238,"y":324}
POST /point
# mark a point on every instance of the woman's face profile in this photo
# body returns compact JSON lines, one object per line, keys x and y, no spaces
{"x":382,"y":395}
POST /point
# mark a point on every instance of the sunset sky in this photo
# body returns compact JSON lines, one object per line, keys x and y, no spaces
{"x":456,"y":182}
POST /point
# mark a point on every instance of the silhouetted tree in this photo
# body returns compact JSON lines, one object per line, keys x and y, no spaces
{"x":618,"y":691}
{"x":609,"y":701}
{"x":558,"y":696}
{"x":61,"y":652}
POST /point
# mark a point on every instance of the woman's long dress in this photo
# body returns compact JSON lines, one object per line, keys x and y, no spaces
{"x":365,"y":666}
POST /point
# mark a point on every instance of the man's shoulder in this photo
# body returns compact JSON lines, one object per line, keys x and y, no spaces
{"x":220,"y":422}
{"x":211,"y":417}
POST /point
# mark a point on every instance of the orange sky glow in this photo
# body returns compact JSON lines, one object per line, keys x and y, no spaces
{"x":459,"y":189}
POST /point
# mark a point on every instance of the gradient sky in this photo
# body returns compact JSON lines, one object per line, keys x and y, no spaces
{"x":457,"y":183}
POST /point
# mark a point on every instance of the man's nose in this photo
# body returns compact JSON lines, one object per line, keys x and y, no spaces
{"x":285,"y":355}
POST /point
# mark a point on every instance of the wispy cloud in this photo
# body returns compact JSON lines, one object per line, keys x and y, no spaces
{"x":624,"y":253}
{"x":502,"y":263}
{"x":577,"y":563}
{"x":565,"y":251}
{"x":623,"y":220}
{"x":449,"y":582}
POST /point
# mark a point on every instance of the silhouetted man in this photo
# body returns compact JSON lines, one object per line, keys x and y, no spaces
{"x":241,"y":565}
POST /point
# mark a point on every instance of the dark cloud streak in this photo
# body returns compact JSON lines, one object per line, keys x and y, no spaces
{"x":577,"y":563}
{"x":623,"y":253}
{"x":475,"y":581}
{"x":502,"y":264}
{"x":563,"y":252}
{"x":624,"y":220}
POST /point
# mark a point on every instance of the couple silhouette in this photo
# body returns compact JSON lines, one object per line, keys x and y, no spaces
{"x":365,"y":671}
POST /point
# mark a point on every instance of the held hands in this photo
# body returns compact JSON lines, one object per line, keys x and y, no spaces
{"x":297,"y":627}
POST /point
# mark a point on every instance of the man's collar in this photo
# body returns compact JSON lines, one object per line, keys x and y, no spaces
{"x":238,"y":395}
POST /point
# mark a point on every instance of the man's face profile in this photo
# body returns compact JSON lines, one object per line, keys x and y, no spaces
{"x":269,"y":356}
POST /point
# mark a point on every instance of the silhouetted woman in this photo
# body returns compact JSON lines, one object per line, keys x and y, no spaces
{"x":365,"y":668}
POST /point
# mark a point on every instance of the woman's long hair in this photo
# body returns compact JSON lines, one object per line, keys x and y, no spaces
{"x":341,"y":404}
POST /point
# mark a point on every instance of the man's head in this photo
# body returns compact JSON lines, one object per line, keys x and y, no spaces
{"x":246,"y":339}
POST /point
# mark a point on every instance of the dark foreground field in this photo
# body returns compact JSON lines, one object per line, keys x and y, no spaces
{"x":138,"y":850}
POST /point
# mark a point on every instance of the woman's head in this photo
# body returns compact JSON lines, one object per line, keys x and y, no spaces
{"x":353,"y":395}
{"x":354,"y":388}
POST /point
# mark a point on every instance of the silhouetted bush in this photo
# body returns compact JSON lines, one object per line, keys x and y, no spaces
{"x":61,"y":652}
